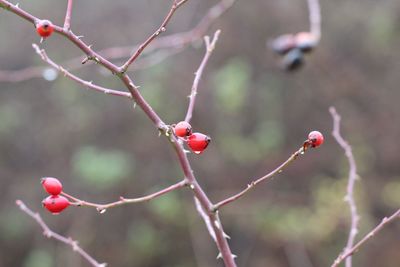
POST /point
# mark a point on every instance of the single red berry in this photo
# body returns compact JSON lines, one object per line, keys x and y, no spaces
{"x":55,"y":204}
{"x":198,"y":142}
{"x":44,"y":28}
{"x":305,"y":41}
{"x":52,"y":185}
{"x":315,"y":138}
{"x":183,"y":129}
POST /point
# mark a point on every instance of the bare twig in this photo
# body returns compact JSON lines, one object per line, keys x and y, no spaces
{"x":176,"y":4}
{"x":373,"y":232}
{"x":86,"y":84}
{"x":210,"y":45}
{"x":122,"y":201}
{"x":172,"y":44}
{"x":351,"y":182}
{"x":314,"y":11}
{"x":261,"y":179}
{"x":67,"y":21}
{"x":47,"y":232}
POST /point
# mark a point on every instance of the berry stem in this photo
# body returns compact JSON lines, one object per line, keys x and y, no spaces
{"x":268,"y":176}
{"x":50,"y":234}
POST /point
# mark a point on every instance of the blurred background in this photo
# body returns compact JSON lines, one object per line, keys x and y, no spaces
{"x":257,"y":115}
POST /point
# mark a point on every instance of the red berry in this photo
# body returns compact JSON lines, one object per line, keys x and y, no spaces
{"x":198,"y":142}
{"x":55,"y":204}
{"x":44,"y":28}
{"x":52,"y":185}
{"x":315,"y":138}
{"x":183,"y":129}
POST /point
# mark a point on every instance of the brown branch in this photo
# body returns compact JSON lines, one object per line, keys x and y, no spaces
{"x":47,"y":232}
{"x":176,"y":4}
{"x":209,"y":49}
{"x":85,"y":83}
{"x":221,"y":241}
{"x":351,"y":182}
{"x":67,"y":21}
{"x":177,"y":42}
{"x":261,"y":179}
{"x":122,"y":201}
{"x":373,"y":232}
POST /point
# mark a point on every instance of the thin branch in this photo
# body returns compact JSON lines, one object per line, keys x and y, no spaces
{"x":351,"y":182}
{"x":47,"y":232}
{"x":262,"y":179}
{"x":209,"y":49}
{"x":373,"y":232}
{"x":314,"y":11}
{"x":161,"y":29}
{"x":85,"y":83}
{"x":67,"y":21}
{"x":175,"y":42}
{"x":122,"y":201}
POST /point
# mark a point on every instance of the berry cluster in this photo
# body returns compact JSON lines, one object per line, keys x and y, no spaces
{"x":54,"y":203}
{"x":197,"y":142}
{"x":293,"y":47}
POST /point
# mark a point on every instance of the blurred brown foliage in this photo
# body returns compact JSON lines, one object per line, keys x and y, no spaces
{"x":101,"y":148}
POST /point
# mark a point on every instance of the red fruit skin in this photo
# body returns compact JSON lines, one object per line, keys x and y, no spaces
{"x":55,"y":204}
{"x":52,"y":185}
{"x":198,"y":142}
{"x":44,"y":28}
{"x":315,"y":138}
{"x":183,"y":129}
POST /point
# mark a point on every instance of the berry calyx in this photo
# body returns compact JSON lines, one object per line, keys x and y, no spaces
{"x":55,"y":204}
{"x":198,"y":142}
{"x":293,"y":59}
{"x":52,"y":185}
{"x":44,"y":28}
{"x":315,"y":138}
{"x":305,"y":41}
{"x":183,"y":129}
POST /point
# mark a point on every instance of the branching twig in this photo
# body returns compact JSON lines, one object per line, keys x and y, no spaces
{"x":351,"y":182}
{"x":172,"y":43}
{"x":374,"y":231}
{"x":122,"y":201}
{"x":67,"y":21}
{"x":176,"y":4}
{"x":85,"y":83}
{"x":47,"y":232}
{"x":210,"y":45}
{"x":262,"y":179}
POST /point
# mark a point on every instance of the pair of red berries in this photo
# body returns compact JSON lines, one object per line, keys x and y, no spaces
{"x":293,"y":47}
{"x":54,"y":203}
{"x":44,"y":28}
{"x":197,"y":142}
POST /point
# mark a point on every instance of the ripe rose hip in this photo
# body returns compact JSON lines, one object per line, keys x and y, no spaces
{"x":183,"y":129}
{"x":55,"y":204}
{"x":44,"y":28}
{"x":198,"y":142}
{"x":305,"y":41}
{"x":52,"y":185}
{"x":315,"y":138}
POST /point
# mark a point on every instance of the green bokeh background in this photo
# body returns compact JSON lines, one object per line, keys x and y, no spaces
{"x":257,"y":115}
